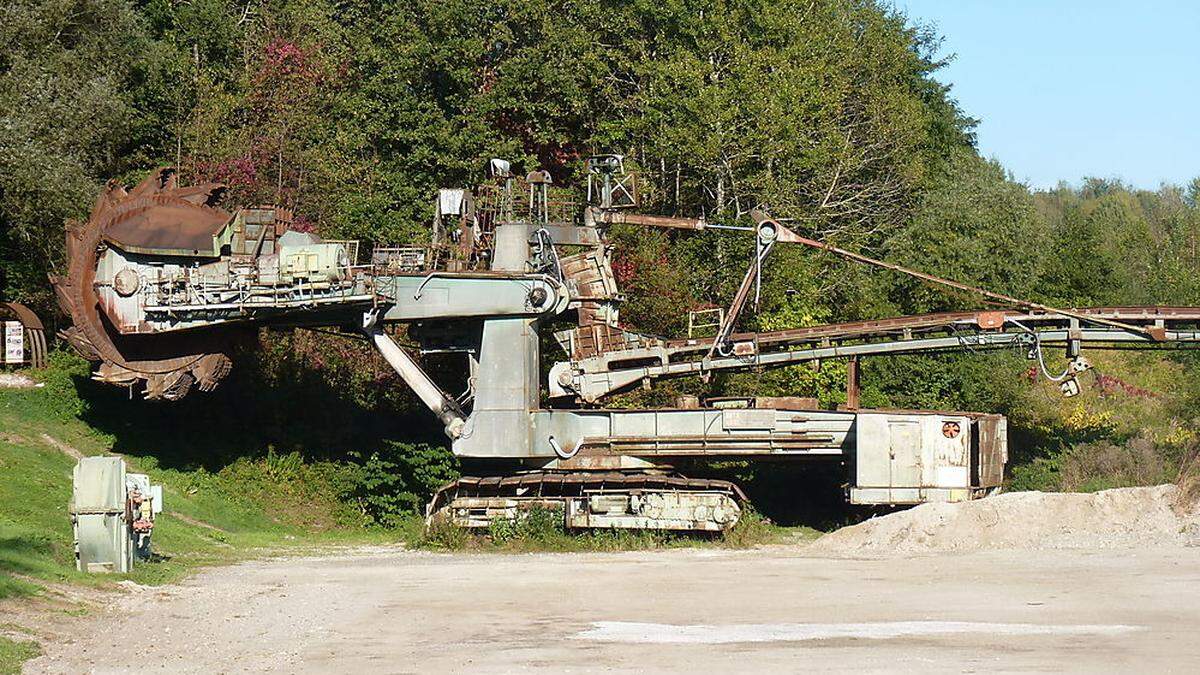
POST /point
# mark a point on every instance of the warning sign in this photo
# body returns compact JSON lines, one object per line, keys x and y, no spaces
{"x":14,"y":342}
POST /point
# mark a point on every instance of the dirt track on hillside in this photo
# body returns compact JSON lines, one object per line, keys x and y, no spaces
{"x":780,"y":608}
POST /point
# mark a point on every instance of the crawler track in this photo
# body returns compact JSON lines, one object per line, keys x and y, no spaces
{"x":593,"y":500}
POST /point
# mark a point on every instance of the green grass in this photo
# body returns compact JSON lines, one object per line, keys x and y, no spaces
{"x":13,"y":653}
{"x":209,"y":518}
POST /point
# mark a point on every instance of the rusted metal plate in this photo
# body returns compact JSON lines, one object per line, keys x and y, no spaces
{"x":991,"y":449}
{"x":745,"y":348}
{"x":179,"y":229}
{"x":34,"y":333}
{"x":990,"y":320}
{"x":170,"y":365}
{"x":24,"y":315}
{"x":595,"y":337}
{"x":787,"y":402}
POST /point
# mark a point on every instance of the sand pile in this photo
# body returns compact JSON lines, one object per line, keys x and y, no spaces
{"x":1121,"y":518}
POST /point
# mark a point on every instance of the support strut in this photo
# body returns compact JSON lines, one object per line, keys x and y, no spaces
{"x":425,"y":388}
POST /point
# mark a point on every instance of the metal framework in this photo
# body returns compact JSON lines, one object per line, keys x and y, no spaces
{"x":159,"y":271}
{"x":600,"y":375}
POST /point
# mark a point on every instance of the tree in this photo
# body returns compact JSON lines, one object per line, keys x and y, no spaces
{"x":975,"y":225}
{"x":66,"y":70}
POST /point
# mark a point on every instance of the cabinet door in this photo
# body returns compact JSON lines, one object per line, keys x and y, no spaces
{"x":904,"y":450}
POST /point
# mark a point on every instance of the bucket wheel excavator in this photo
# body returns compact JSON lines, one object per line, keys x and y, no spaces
{"x":162,"y":281}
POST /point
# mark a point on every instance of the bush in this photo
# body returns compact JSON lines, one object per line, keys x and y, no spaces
{"x":1090,"y":467}
{"x":60,"y":396}
{"x":1040,"y":474}
{"x":1188,"y":478}
{"x":393,"y":483}
{"x":751,"y":529}
{"x":286,"y":486}
{"x":538,"y":525}
{"x":1099,"y":465}
{"x":443,"y":534}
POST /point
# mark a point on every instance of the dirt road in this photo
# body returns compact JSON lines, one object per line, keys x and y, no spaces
{"x":692,"y":611}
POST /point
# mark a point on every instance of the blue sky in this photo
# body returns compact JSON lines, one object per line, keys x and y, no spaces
{"x":1072,"y":88}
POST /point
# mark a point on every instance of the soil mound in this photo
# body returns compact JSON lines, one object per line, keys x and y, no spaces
{"x":1120,"y":518}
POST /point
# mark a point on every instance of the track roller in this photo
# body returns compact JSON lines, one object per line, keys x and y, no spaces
{"x":593,"y":500}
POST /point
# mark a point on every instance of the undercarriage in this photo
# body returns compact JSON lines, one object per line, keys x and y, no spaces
{"x":592,"y":500}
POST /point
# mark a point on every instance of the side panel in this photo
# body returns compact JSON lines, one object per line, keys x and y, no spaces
{"x":506,"y":376}
{"x":992,"y":451}
{"x":906,"y":465}
{"x":946,"y":441}
{"x":872,"y":456}
{"x":505,"y":393}
{"x":102,"y":538}
{"x":688,"y":432}
{"x":912,"y":457}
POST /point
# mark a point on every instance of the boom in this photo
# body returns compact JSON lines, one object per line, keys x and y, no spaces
{"x":592,"y":375}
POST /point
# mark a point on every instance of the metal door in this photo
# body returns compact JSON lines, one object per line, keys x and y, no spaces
{"x":904,"y":453}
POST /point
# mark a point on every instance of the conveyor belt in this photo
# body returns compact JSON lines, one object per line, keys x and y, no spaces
{"x":604,"y":373}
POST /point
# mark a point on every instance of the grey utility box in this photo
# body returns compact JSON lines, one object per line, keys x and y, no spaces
{"x":112,"y":514}
{"x":912,"y":457}
{"x":103,"y":541}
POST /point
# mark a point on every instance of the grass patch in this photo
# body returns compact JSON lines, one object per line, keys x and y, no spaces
{"x":13,"y":653}
{"x":11,"y":586}
{"x":252,"y":507}
{"x":754,"y":529}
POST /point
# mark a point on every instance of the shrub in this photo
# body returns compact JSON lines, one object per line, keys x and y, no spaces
{"x":1089,"y":467}
{"x":60,"y":396}
{"x":444,"y":534}
{"x":538,"y":525}
{"x":1041,"y":474}
{"x":752,"y":529}
{"x":1188,"y":479}
{"x":1099,"y":465}
{"x":397,"y":480}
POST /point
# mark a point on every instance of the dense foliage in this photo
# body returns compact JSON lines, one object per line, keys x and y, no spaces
{"x":353,"y":112}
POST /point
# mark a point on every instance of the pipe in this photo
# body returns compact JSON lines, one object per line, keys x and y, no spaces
{"x":563,"y":454}
{"x":430,"y":394}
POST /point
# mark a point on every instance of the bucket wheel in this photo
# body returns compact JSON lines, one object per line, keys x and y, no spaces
{"x":167,"y":366}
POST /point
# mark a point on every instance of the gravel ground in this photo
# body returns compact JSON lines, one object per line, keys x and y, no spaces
{"x":701,"y":610}
{"x":17,"y":381}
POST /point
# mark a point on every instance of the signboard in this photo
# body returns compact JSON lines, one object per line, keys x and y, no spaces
{"x":14,"y":342}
